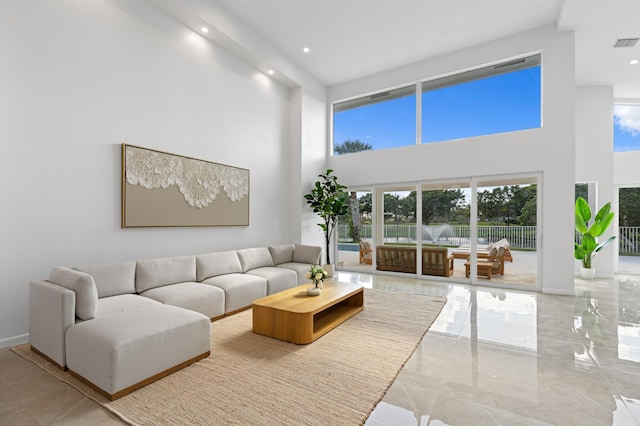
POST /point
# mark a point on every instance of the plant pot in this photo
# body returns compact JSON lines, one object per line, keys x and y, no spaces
{"x":329,"y":268}
{"x":587,"y":273}
{"x":314,"y":291}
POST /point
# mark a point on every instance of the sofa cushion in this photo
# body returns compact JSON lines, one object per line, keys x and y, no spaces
{"x":282,"y":253}
{"x":152,"y":273}
{"x":307,"y":254}
{"x":112,"y":278}
{"x":122,"y":303}
{"x":240,"y":290}
{"x":133,"y":348}
{"x":299,"y":268}
{"x":206,"y":299}
{"x":214,"y":264}
{"x":253,"y":258}
{"x":278,"y":279}
{"x":83,"y":286}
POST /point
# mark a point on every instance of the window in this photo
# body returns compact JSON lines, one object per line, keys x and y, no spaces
{"x":500,"y":98}
{"x":379,"y":121}
{"x":497,"y":99}
{"x":626,"y":128}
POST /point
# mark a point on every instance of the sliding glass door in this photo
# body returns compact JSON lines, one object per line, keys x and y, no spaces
{"x":445,"y":218}
{"x":481,"y":230}
{"x":507,"y":231}
{"x":355,"y":233}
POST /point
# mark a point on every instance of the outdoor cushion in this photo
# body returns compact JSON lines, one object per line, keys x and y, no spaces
{"x":151,"y":273}
{"x":307,"y":254}
{"x":252,"y":258}
{"x":282,"y":253}
{"x":214,"y":264}
{"x":83,"y":286}
{"x":112,"y":278}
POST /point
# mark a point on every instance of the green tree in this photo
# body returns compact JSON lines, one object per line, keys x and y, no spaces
{"x":521,"y":205}
{"x":439,"y":205}
{"x":348,"y":147}
{"x":582,"y":190}
{"x":629,"y":206}
{"x":492,"y":205}
{"x":509,"y":204}
{"x":366,"y":204}
{"x":392,"y":206}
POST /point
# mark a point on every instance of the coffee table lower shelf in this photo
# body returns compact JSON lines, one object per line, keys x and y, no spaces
{"x":294,"y":317}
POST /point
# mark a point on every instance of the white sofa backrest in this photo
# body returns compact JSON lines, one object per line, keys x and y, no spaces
{"x":307,"y":254}
{"x":282,"y":253}
{"x":83,"y":286}
{"x":253,"y":258}
{"x":219,"y":263}
{"x":112,"y":279}
{"x":152,"y":273}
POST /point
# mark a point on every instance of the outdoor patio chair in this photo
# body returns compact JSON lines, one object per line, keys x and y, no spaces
{"x":366,"y":252}
{"x":435,"y":261}
{"x":464,"y":250}
{"x":497,"y":258}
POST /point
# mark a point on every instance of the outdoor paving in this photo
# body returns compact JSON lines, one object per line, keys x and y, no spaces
{"x":522,"y":271}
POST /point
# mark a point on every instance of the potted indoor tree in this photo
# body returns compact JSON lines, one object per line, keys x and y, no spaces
{"x":587,"y":246}
{"x":329,"y":200}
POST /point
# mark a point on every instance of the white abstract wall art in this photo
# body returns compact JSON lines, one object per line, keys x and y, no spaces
{"x":161,"y":189}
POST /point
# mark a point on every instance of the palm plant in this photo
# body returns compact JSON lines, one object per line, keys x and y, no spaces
{"x":347,"y":147}
{"x":588,"y":245}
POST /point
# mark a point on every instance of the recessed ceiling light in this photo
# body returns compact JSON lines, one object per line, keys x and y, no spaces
{"x":306,"y":50}
{"x":633,"y":61}
{"x":204,"y":29}
{"x":270,"y":72}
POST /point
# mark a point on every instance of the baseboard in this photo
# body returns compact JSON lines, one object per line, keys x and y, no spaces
{"x":13,"y":341}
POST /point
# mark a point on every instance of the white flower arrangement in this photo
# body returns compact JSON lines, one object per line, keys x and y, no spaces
{"x":316,"y":274}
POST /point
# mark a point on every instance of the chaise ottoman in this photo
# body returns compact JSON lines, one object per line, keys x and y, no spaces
{"x":120,"y":353}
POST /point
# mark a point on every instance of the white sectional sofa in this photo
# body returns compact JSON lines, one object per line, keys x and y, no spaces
{"x":102,"y":321}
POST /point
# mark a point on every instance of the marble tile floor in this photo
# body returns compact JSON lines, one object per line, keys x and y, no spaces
{"x":493,"y":357}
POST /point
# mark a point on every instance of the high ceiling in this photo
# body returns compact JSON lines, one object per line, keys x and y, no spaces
{"x":354,"y":38}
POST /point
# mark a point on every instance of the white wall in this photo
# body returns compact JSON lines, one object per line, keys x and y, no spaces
{"x":549,"y":150}
{"x":80,"y":78}
{"x":626,"y":168}
{"x":594,"y":159}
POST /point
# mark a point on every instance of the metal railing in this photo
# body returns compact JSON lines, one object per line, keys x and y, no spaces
{"x":450,"y":235}
{"x":629,"y":240}
{"x":523,"y":237}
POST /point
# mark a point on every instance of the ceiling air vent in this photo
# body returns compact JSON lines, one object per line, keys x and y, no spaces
{"x":626,"y":42}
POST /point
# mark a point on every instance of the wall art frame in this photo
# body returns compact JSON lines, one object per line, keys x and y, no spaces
{"x":160,"y":189}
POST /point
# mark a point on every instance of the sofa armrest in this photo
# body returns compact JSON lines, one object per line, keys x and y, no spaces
{"x":52,"y":310}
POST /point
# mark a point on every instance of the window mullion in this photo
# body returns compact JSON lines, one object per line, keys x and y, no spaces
{"x":418,"y":113}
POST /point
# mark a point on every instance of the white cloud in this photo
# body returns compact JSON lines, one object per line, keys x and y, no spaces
{"x":628,"y":118}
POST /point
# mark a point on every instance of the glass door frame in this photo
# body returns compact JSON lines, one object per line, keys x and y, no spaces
{"x":377,"y":225}
{"x":473,"y":228}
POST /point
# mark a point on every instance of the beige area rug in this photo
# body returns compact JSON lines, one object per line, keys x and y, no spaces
{"x":255,"y":380}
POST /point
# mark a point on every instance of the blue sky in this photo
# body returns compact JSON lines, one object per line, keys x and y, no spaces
{"x":626,"y":128}
{"x":502,"y":103}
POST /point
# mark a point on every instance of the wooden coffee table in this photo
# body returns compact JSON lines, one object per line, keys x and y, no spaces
{"x":293,"y":316}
